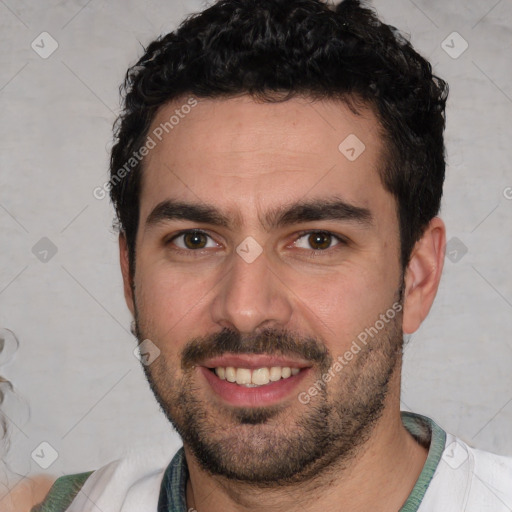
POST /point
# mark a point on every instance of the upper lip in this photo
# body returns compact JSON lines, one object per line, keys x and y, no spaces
{"x":253,"y":361}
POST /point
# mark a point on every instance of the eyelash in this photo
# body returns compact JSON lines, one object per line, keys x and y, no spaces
{"x":342,"y":241}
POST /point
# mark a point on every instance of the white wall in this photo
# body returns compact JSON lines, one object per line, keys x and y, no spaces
{"x":75,"y":369}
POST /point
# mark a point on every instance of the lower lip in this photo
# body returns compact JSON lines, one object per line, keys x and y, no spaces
{"x":261,"y":396}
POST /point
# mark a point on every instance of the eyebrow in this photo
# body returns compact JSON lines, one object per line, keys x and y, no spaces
{"x":295,"y":213}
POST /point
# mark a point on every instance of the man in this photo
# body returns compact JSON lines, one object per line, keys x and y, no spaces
{"x":277,"y":176}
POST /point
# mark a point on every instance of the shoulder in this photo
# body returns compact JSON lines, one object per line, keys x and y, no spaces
{"x":492,"y":474}
{"x":470,"y":479}
{"x":130,"y":483}
{"x":26,"y":493}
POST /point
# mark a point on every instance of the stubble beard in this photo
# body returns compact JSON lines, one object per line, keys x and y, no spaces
{"x":288,"y":443}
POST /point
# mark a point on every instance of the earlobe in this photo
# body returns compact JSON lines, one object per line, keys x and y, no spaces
{"x":125,"y":271}
{"x":423,"y":275}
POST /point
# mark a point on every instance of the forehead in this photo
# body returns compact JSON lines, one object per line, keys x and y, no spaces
{"x":245,"y":156}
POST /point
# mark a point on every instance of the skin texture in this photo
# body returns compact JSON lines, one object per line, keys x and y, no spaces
{"x":29,"y":492}
{"x":347,"y":448}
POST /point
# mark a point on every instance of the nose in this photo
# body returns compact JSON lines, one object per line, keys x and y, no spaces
{"x":251,"y":297}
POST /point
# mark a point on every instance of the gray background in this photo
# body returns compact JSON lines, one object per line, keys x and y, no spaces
{"x":79,"y":386}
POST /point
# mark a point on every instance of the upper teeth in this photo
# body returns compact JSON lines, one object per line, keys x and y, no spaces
{"x":257,"y":377}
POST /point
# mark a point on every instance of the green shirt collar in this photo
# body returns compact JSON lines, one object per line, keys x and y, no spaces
{"x":431,"y":435}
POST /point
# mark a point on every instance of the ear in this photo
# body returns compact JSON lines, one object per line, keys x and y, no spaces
{"x":125,"y":270}
{"x":423,"y":274}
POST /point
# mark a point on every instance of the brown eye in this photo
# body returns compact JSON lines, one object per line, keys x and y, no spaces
{"x":193,"y":240}
{"x":317,"y":240}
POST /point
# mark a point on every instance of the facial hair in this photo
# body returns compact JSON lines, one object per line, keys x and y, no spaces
{"x":281,"y":444}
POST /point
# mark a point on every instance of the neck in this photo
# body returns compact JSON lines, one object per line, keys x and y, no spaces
{"x":380,"y":477}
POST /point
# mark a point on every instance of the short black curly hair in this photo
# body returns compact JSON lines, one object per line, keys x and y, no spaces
{"x":274,"y":50}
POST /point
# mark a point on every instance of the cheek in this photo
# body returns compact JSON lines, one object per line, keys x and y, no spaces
{"x":161,"y":316}
{"x":172,"y":301}
{"x":340,"y":305}
{"x":164,"y":298}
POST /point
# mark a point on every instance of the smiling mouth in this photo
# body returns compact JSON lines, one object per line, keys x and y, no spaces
{"x":252,"y":378}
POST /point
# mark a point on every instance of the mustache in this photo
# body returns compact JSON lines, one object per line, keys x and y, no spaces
{"x":267,"y":342}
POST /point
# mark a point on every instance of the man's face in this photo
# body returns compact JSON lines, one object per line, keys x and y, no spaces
{"x":295,"y":253}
